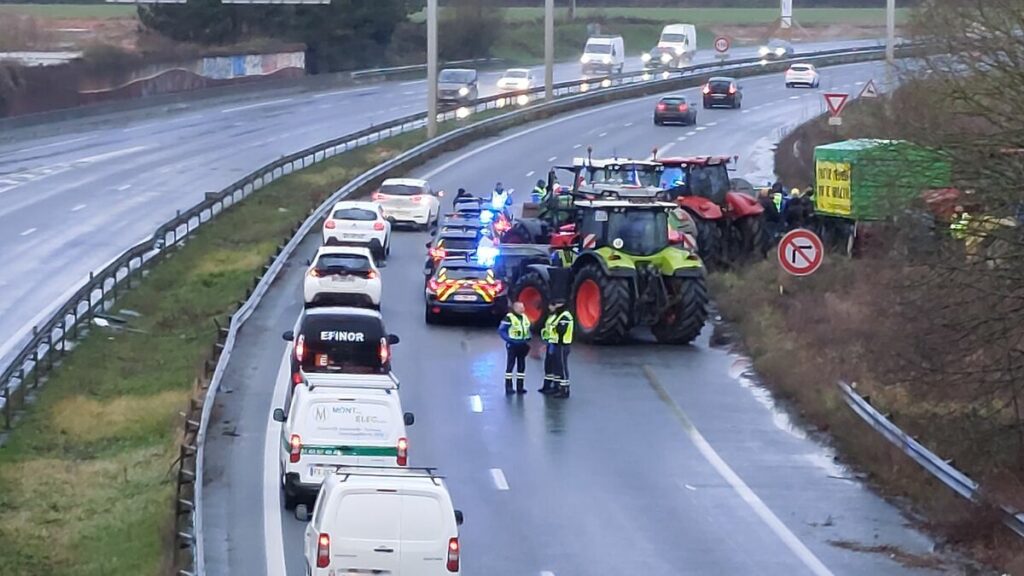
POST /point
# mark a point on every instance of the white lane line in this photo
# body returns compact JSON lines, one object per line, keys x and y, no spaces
{"x":476,"y":404}
{"x":27,"y":232}
{"x":577,"y":146}
{"x":500,"y":141}
{"x":325,"y":106}
{"x":691,"y":133}
{"x":602,"y":134}
{"x":681,"y":139}
{"x":257,"y":105}
{"x":123,"y":188}
{"x":701,"y":128}
{"x":530,"y":173}
{"x":109,"y":155}
{"x":794,"y":97}
{"x":499,"y":479}
{"x":77,"y":208}
{"x":547,"y":573}
{"x":413,"y":83}
{"x":552,"y":159}
{"x":273,"y":541}
{"x":712,"y":124}
{"x":745,"y":112}
{"x":628,"y":124}
{"x":410,"y":93}
{"x":340,"y":92}
{"x":61,"y":143}
{"x":798,"y":548}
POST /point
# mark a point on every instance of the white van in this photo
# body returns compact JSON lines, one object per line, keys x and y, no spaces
{"x":394,"y":521}
{"x":328,"y":427}
{"x":681,"y":39}
{"x":603,"y":54}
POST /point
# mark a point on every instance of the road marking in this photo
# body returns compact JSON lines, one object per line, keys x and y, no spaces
{"x":628,"y":124}
{"x":500,"y":141}
{"x":745,"y":112}
{"x":257,"y":105}
{"x":530,"y":173}
{"x":413,"y":83}
{"x":712,"y":124}
{"x":859,"y":83}
{"x":339,"y":92}
{"x":77,"y":208}
{"x":123,"y":188}
{"x":681,"y":138}
{"x":602,"y":134}
{"x":701,"y":128}
{"x":794,"y":97}
{"x":29,"y":231}
{"x":691,"y":133}
{"x":273,"y":541}
{"x":577,"y":146}
{"x":410,"y":93}
{"x":61,"y":143}
{"x":499,"y":479}
{"x":552,"y":159}
{"x":547,"y":573}
{"x":476,"y":404}
{"x":798,"y":548}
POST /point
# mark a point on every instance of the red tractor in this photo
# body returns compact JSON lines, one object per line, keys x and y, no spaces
{"x":730,"y":224}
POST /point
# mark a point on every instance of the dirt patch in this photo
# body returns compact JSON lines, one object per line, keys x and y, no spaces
{"x":894,"y":553}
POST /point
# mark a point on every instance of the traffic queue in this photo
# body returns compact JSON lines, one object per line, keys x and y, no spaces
{"x":344,"y":444}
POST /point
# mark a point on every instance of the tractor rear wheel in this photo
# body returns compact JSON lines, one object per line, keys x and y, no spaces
{"x":603,"y":305}
{"x":682,"y":322}
{"x":533,"y":291}
{"x":708,"y":241}
{"x":754,"y":237}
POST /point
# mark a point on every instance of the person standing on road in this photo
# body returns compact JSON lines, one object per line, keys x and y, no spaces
{"x":771,"y":213}
{"x":515,"y":331}
{"x":557,"y":333}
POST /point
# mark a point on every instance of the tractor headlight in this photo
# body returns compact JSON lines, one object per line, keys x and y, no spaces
{"x":678,"y":50}
{"x":646,"y":57}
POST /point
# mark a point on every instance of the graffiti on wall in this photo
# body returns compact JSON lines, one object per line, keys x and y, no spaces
{"x":230,"y":67}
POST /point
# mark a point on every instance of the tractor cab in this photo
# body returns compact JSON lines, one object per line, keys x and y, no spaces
{"x":631,"y":225}
{"x":701,"y":176}
{"x":593,"y":176}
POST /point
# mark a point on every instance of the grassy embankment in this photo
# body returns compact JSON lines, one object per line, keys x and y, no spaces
{"x":86,"y":477}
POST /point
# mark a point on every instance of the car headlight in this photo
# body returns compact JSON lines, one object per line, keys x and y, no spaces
{"x":666,"y":58}
{"x":780,"y":51}
{"x":646,"y":57}
{"x":585,"y":59}
{"x":678,"y":50}
{"x":607,"y":59}
{"x":463,"y":91}
{"x":764,"y":51}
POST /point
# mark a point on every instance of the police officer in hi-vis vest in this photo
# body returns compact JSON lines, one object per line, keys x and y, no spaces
{"x":557,"y":333}
{"x":515,"y":331}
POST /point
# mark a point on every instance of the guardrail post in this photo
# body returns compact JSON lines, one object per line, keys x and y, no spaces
{"x":35,"y":357}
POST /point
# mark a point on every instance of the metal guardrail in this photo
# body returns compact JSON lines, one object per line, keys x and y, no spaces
{"x":395,"y":70}
{"x":97,"y":295}
{"x":941,"y":469}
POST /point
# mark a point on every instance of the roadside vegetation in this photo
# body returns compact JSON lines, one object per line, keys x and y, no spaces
{"x":928,"y":324}
{"x":87,"y":475}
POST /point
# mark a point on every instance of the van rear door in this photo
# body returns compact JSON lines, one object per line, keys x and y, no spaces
{"x":427,"y":525}
{"x":365,"y":533}
{"x":348,"y":431}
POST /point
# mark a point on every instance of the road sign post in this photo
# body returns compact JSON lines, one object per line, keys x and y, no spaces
{"x":836,"y":102}
{"x":869,"y":90}
{"x":722,"y":45}
{"x":801,"y":252}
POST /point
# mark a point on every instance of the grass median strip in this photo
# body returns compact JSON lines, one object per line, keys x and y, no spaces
{"x":86,"y":477}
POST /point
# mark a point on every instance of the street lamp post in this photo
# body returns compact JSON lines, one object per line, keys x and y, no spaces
{"x":549,"y":49}
{"x":431,"y":68}
{"x":890,"y":41}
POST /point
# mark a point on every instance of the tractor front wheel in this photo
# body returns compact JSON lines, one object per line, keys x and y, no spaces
{"x":709,"y":242}
{"x":682,"y":322}
{"x":754,"y":237}
{"x":533,"y":291}
{"x":603,"y":304}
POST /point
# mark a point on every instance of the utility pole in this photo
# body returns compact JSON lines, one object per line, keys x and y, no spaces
{"x":890,"y":42}
{"x":431,"y":68}
{"x":549,"y":49}
{"x":572,"y":9}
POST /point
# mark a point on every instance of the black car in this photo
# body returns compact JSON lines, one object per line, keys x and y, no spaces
{"x":339,"y":340}
{"x":674,"y":109}
{"x":459,"y":222}
{"x":465,"y":288}
{"x":457,"y":85}
{"x":449,"y":244}
{"x":722,"y":91}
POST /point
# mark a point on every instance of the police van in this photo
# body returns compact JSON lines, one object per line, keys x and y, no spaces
{"x":397,"y":521}
{"x":349,"y":422}
{"x":336,"y":340}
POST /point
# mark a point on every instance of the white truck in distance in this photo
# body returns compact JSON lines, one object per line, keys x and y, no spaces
{"x":603,"y":55}
{"x":681,"y":39}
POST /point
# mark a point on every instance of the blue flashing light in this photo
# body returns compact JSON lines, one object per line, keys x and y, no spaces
{"x":486,"y":255}
{"x":486,"y":216}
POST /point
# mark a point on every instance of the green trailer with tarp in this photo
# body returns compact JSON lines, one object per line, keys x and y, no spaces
{"x":858,"y":182}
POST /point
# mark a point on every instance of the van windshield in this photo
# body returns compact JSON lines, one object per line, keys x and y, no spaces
{"x":349,"y":421}
{"x":598,"y":49}
{"x":342,"y":343}
{"x":456,"y":76}
{"x":675,"y":38}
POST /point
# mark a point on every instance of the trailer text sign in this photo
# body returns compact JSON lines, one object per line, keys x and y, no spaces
{"x":832,"y":188}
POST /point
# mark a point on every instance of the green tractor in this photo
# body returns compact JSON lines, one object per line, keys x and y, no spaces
{"x":615,"y":265}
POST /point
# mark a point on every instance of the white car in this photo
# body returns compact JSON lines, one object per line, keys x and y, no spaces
{"x":342,"y":276}
{"x":328,"y":426}
{"x":516,"y":79}
{"x":383,"y":521}
{"x":409,"y":201}
{"x":802,"y":75}
{"x":354,"y":223}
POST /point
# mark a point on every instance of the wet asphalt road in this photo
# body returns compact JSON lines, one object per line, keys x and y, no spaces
{"x":666,"y":460}
{"x":73,"y":201}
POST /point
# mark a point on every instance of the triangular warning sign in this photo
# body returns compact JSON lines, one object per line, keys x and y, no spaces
{"x":836,"y":102}
{"x":870,"y":90}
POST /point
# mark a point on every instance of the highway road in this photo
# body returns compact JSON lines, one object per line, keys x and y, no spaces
{"x":666,"y":461}
{"x":72,"y":201}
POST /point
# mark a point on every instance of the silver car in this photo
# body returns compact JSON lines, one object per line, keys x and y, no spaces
{"x":457,"y":85}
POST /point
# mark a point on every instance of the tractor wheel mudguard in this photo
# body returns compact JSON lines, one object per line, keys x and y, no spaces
{"x":742,"y":205}
{"x":701,"y":207}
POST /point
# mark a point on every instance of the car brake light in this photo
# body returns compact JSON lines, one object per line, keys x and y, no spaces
{"x":707,"y":89}
{"x":300,"y":348}
{"x":329,"y":224}
{"x":314,"y":272}
{"x":403,"y":451}
{"x":682,"y":107}
{"x":732,"y":89}
{"x":296,"y":378}
{"x":453,"y":554}
{"x":371,"y":275}
{"x":296,"y":448}
{"x":378,"y":225}
{"x":661,"y":106}
{"x":323,"y":551}
{"x":416,"y":198}
{"x":383,"y":351}
{"x":433,"y":285}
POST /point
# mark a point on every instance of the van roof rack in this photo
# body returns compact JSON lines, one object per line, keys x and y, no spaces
{"x":386,"y":382}
{"x":389,"y":472}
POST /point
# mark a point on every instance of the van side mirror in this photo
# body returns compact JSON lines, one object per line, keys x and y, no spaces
{"x":278,"y":414}
{"x":459,"y":519}
{"x":427,"y":244}
{"x":288,"y":336}
{"x":409,"y":418}
{"x":309,"y":261}
{"x":393,"y":339}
